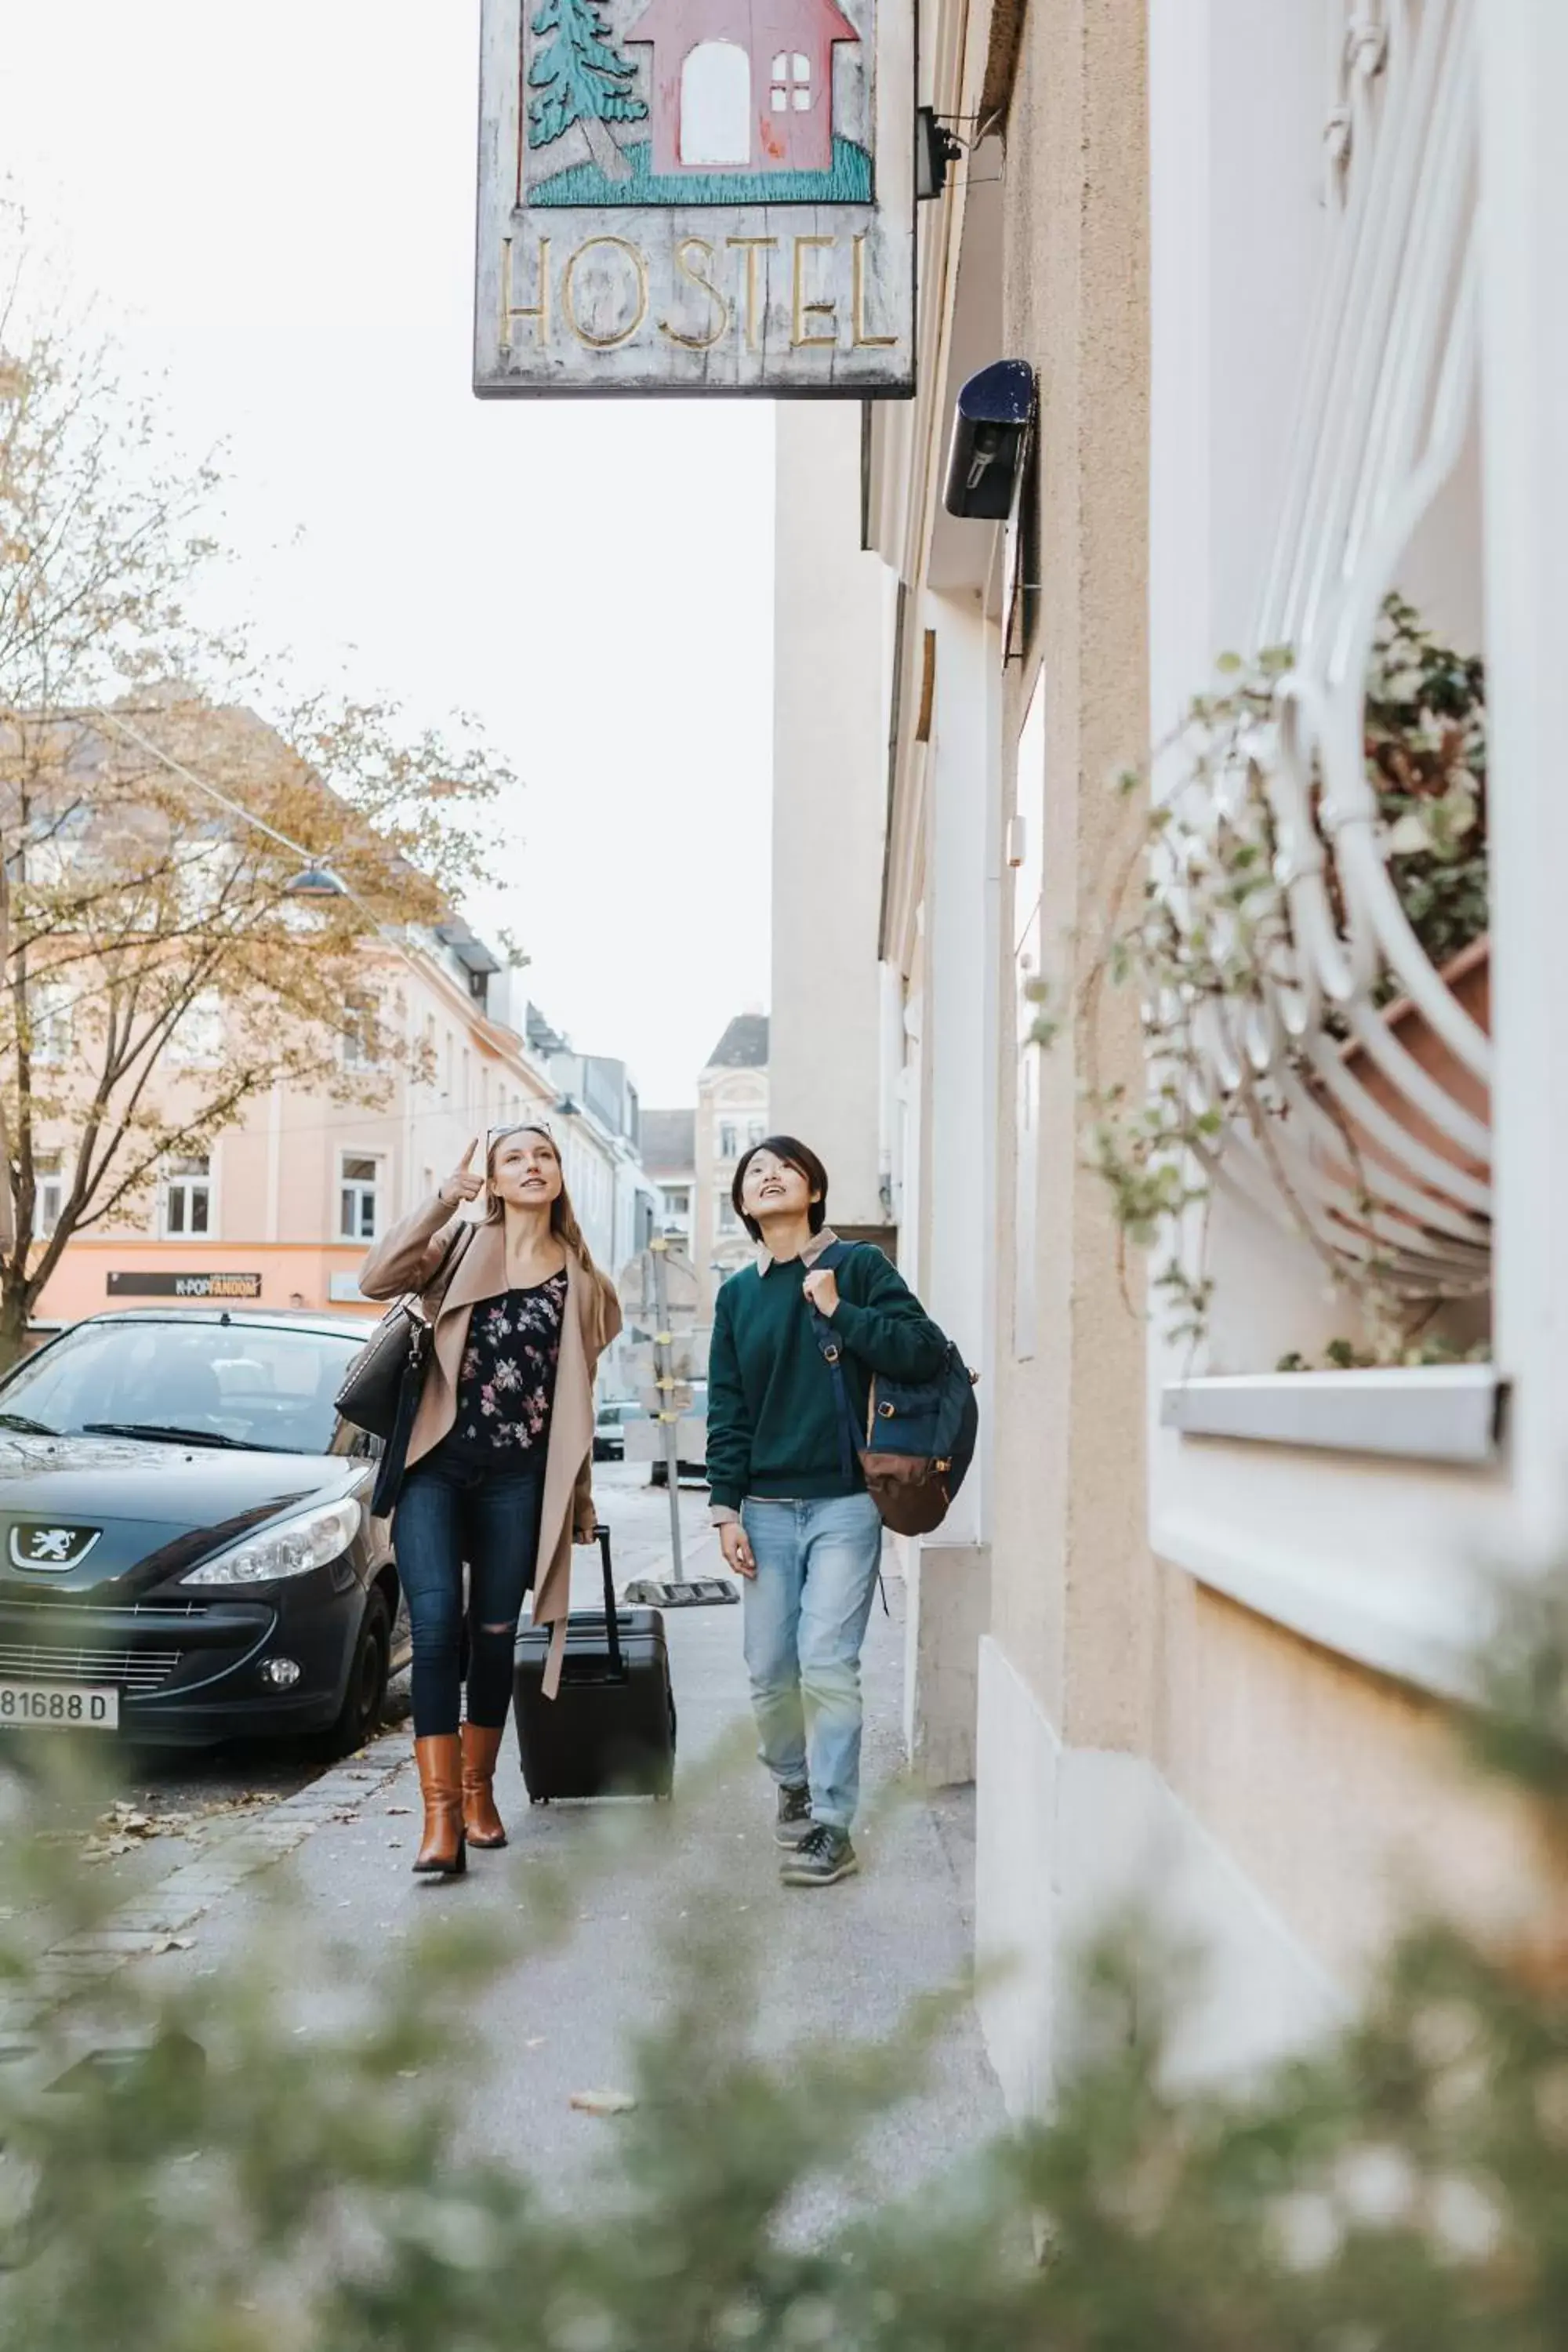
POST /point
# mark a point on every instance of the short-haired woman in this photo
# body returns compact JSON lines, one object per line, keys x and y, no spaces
{"x":499,"y":1460}
{"x":794,"y":1520}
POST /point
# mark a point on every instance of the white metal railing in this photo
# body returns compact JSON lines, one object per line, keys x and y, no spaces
{"x":1386,"y":411}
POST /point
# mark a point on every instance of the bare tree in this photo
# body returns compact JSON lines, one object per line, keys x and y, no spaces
{"x":159,"y":973}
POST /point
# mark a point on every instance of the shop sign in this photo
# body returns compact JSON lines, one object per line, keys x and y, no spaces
{"x":150,"y":1285}
{"x":696,"y":196}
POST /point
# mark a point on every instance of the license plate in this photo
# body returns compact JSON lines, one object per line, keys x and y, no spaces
{"x":69,"y":1706}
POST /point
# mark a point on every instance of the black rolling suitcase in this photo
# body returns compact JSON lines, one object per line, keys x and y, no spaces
{"x":610,"y":1729}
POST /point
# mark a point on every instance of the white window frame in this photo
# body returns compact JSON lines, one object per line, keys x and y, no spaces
{"x":359,"y":1188}
{"x":50,"y":1011}
{"x":181,"y":1179}
{"x":792,"y":83}
{"x":196,"y":1041}
{"x":49,"y":1179}
{"x":361,"y":1042}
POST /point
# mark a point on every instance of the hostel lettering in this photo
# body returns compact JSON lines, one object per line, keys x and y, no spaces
{"x":696,"y":196}
{"x":607,"y":291}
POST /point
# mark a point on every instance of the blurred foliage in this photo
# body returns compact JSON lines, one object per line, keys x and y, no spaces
{"x":241,"y":2186}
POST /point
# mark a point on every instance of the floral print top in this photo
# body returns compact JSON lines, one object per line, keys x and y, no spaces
{"x":506,"y":1383}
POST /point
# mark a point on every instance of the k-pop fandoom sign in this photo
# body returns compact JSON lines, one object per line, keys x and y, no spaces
{"x":696,"y":196}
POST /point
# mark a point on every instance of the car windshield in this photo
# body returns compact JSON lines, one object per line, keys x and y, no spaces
{"x":264,"y":1386}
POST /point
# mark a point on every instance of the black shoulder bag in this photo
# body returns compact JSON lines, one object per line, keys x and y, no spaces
{"x":386,"y":1380}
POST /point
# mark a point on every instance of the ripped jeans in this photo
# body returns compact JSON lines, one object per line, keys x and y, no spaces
{"x":449,"y":1513}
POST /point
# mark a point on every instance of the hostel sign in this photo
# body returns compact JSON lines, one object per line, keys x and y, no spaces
{"x":696,"y":196}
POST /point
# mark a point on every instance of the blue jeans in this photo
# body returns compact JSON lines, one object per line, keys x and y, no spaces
{"x":806,"y":1615}
{"x":446,"y":1514}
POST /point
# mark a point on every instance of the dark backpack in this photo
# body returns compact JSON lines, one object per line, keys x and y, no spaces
{"x":919,"y":1435}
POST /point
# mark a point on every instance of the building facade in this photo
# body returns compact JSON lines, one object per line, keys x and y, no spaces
{"x":1197,"y":1624}
{"x":288,"y":1199}
{"x":826,"y":1051}
{"x":669,"y":1156}
{"x":732,"y":1105}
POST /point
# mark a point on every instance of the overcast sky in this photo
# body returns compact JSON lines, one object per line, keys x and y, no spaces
{"x":280,"y":200}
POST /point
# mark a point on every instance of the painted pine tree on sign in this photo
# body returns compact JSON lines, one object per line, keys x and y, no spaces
{"x":578,"y":78}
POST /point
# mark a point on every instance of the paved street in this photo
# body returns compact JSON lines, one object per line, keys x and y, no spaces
{"x":177,"y":1799}
{"x":842,"y":1963}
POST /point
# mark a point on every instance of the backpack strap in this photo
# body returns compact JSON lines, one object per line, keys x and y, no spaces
{"x":832,"y":1258}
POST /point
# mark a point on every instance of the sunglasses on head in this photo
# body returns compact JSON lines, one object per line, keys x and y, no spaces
{"x":495,"y":1135}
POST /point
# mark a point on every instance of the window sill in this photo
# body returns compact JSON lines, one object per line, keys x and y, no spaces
{"x":1437,"y":1413}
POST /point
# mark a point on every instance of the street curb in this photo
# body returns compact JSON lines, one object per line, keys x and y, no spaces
{"x":146,"y":1922}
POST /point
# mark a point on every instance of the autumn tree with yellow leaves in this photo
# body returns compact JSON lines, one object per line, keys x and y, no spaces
{"x":160,"y":969}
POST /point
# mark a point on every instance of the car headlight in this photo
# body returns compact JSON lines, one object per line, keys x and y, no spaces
{"x":292,"y":1547}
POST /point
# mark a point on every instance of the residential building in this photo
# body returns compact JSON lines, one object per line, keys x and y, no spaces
{"x":732,"y":1114}
{"x":669,"y":1156}
{"x":288,"y":1199}
{"x":1195,"y":1624}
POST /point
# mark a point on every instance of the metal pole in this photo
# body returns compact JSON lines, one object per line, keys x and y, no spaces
{"x":664,"y":1360}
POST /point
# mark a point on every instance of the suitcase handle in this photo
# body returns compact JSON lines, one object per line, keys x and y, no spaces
{"x":612,"y":1622}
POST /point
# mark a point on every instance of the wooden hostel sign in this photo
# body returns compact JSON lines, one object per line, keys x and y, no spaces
{"x":696,"y":196}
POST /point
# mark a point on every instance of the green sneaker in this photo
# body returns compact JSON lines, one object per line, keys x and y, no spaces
{"x":795,"y":1824}
{"x":822,"y":1858}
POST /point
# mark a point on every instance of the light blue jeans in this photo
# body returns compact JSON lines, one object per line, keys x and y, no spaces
{"x":806,"y":1615}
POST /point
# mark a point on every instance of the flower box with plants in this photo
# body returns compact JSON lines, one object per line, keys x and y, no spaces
{"x":1312,"y":974}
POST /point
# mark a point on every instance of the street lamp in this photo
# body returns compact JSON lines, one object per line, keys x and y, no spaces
{"x":316,"y":882}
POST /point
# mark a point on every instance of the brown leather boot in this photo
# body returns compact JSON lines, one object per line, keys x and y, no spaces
{"x":443,"y":1849}
{"x":484,"y":1825}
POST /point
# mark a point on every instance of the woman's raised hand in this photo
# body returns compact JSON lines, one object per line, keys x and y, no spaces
{"x":462,"y":1184}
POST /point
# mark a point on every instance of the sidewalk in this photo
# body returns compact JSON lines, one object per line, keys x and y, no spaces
{"x":842,"y":1963}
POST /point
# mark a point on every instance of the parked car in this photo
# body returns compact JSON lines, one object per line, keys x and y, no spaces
{"x":610,"y":1428}
{"x":697,"y":1411}
{"x":186,"y":1548}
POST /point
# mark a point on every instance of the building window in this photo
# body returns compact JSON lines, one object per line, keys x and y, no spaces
{"x":728,"y":1222}
{"x":361,"y":1028}
{"x":358,"y":1195}
{"x":755,"y":1131}
{"x":187,"y":1197}
{"x":51,"y":1011}
{"x":729,"y":1141}
{"x":196,"y":1041}
{"x":792,"y":83}
{"x":677,"y":1200}
{"x":451,"y":1064}
{"x":48,"y":1193}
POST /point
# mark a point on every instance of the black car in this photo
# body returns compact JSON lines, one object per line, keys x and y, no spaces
{"x":186,"y":1548}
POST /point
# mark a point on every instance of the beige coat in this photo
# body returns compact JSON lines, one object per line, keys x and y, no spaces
{"x":410,"y":1259}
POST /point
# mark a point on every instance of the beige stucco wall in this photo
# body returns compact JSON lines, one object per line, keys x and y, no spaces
{"x":1344,"y":1797}
{"x":1341,"y":1796}
{"x":830,"y":768}
{"x":1073,"y":1592}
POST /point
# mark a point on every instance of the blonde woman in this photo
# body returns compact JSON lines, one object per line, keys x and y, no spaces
{"x":499,"y":1460}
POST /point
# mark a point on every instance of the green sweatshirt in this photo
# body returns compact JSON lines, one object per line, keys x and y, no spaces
{"x":773,"y":1426}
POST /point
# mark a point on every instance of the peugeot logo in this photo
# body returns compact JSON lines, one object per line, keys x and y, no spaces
{"x":37,"y":1546}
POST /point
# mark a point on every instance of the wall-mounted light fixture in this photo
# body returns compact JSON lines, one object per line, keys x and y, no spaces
{"x":989,"y":426}
{"x":936,"y":147}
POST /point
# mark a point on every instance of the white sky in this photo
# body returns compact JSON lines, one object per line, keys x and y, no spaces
{"x":280,"y":201}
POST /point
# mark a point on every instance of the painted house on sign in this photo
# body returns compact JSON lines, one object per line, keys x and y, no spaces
{"x":742,"y":88}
